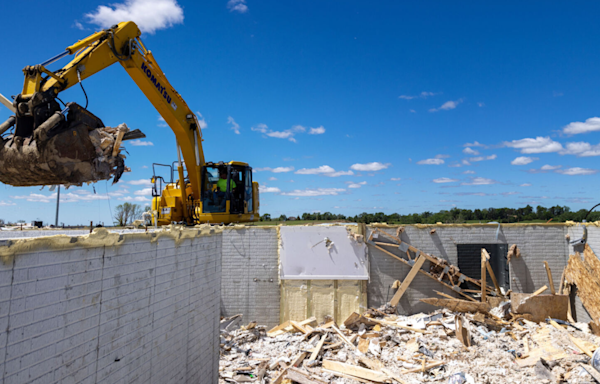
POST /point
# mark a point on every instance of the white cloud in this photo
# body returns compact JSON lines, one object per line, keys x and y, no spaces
{"x":78,"y":25}
{"x":550,"y":167}
{"x":395,"y":179}
{"x":474,"y":144}
{"x":480,"y":104}
{"x":234,"y":126}
{"x":272,"y":178}
{"x":577,"y":171}
{"x":448,"y":105}
{"x":162,"y":122}
{"x":590,"y":125}
{"x":265,"y":189}
{"x":444,"y":180}
{"x":140,"y":143}
{"x":287,"y":134}
{"x":510,"y":193}
{"x":431,"y":162}
{"x":523,"y":160}
{"x":422,"y":95}
{"x":315,"y":192}
{"x":483,"y":158}
{"x":68,"y":197}
{"x":137,"y":198}
{"x":120,"y":192}
{"x":316,"y":131}
{"x":469,"y":172}
{"x":525,"y":185}
{"x":581,"y":149}
{"x":370,"y":167}
{"x":275,"y":170}
{"x":480,"y":181}
{"x":146,"y":182}
{"x":538,"y":145}
{"x":412,"y":111}
{"x":201,"y":121}
{"x":6,"y":203}
{"x":237,"y":6}
{"x":324,"y":170}
{"x":355,"y":185}
{"x":149,"y":15}
{"x":143,"y":192}
{"x":470,"y":151}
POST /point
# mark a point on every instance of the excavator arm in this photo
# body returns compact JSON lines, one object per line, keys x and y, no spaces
{"x":36,"y":106}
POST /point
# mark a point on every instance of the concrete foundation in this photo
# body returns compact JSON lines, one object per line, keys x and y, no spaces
{"x":111,"y":308}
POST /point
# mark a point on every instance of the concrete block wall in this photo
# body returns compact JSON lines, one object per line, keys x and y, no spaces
{"x":250,"y":280}
{"x":537,"y":243}
{"x":135,"y":311}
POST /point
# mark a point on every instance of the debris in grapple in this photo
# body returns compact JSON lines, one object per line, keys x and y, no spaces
{"x":69,"y":150}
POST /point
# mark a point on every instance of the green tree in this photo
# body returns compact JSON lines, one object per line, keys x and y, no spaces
{"x":126,"y":213}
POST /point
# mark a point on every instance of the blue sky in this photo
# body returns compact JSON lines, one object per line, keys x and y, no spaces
{"x":343,"y":106}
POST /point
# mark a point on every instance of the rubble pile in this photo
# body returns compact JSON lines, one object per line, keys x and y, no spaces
{"x":495,"y":347}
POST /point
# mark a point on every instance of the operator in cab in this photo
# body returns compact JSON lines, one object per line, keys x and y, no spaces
{"x":222,"y":183}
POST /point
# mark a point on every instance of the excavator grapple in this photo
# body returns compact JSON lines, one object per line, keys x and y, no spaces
{"x":51,"y":146}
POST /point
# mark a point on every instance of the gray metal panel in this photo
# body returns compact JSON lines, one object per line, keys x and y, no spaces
{"x":305,"y":255}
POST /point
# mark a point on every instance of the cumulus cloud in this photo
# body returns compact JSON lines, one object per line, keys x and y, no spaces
{"x":162,"y":122}
{"x":149,"y":15}
{"x":538,"y":145}
{"x":355,"y":185}
{"x":479,"y":181}
{"x":237,"y":6}
{"x":448,"y":105}
{"x":314,"y":192}
{"x":316,"y":131}
{"x":523,"y":160}
{"x":434,"y":161}
{"x":201,"y":121}
{"x":469,"y":172}
{"x":275,"y":170}
{"x":444,"y":180}
{"x":577,"y":171}
{"x":140,"y":143}
{"x":234,"y":126}
{"x":470,"y":151}
{"x":137,"y":198}
{"x":581,"y":149}
{"x":483,"y":158}
{"x":370,"y":167}
{"x":68,"y":197}
{"x":474,"y":144}
{"x":287,"y":134}
{"x":550,"y":167}
{"x":510,"y":193}
{"x":525,"y":185}
{"x":143,"y":192}
{"x":395,"y":179}
{"x":6,"y":203}
{"x":324,"y":170}
{"x":265,"y":189}
{"x":590,"y":125}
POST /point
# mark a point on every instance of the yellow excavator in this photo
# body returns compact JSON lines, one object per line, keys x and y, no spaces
{"x":46,"y":144}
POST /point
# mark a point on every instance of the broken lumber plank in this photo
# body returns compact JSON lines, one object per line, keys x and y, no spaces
{"x":407,"y":280}
{"x":278,"y":329}
{"x":343,"y":337}
{"x":492,"y":274}
{"x":426,"y":273}
{"x":484,"y":256}
{"x":118,"y":140}
{"x":462,"y":333}
{"x":539,"y":291}
{"x":393,"y":375}
{"x":592,"y":371}
{"x":458,"y":305}
{"x":302,"y":377}
{"x":308,"y":321}
{"x":444,"y":295}
{"x":299,"y":327}
{"x":340,"y":374}
{"x":354,"y":319}
{"x":562,"y":281}
{"x":392,"y":324}
{"x":425,"y":368}
{"x":550,"y":281}
{"x":353,"y":370}
{"x":298,"y":359}
{"x":315,"y":353}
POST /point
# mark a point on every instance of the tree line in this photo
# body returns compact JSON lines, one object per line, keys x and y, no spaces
{"x":456,"y":215}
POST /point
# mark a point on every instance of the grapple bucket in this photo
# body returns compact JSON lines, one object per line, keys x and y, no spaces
{"x":69,"y":148}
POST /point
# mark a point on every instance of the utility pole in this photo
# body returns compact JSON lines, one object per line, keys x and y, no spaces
{"x":57,"y":203}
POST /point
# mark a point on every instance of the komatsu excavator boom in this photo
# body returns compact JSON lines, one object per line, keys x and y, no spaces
{"x":69,"y":145}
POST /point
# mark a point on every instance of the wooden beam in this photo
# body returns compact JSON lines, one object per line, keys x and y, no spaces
{"x":407,"y":280}
{"x":423,"y":272}
{"x":276,"y":330}
{"x":353,"y":370}
{"x":299,"y":327}
{"x":484,"y":256}
{"x":491,"y":272}
{"x":317,"y":349}
{"x":343,"y":337}
{"x":445,"y":295}
{"x":550,"y":281}
{"x":562,"y":281}
{"x":539,"y":291}
{"x":459,"y":305}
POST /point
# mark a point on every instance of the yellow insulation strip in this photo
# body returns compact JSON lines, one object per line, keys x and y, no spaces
{"x":101,"y":237}
{"x":295,"y":300}
{"x":349,"y":295}
{"x":322,"y":299}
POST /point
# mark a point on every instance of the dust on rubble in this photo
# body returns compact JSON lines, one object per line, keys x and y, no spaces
{"x":377,"y":347}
